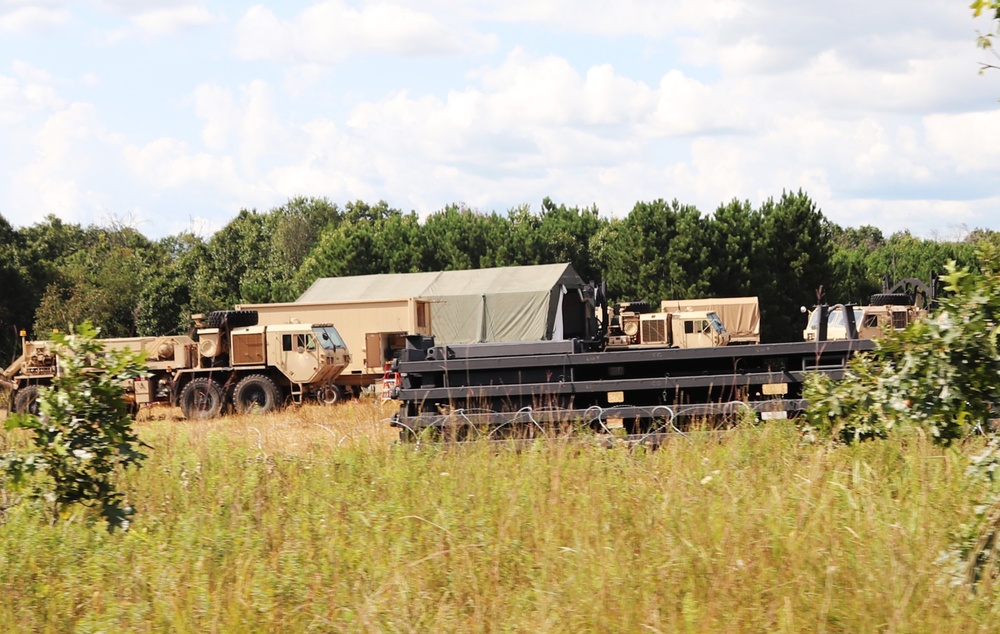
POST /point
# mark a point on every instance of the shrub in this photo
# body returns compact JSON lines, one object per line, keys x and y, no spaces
{"x":83,"y":434}
{"x":941,"y":375}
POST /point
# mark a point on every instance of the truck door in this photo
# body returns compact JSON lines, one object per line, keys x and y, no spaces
{"x":695,"y":333}
{"x":373,"y":351}
{"x":298,"y":356}
{"x":380,"y":348}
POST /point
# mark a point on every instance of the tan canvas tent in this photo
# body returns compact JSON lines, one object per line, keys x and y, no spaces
{"x":513,"y":303}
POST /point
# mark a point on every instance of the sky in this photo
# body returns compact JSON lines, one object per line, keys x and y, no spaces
{"x":173,"y":116}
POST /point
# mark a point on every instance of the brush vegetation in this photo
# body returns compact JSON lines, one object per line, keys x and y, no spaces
{"x":312,"y":520}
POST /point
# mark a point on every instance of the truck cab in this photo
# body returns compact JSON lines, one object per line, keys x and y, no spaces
{"x":633,"y":327}
{"x":257,"y":367}
{"x":871,"y":321}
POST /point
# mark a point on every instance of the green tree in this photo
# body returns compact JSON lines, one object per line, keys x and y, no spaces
{"x":854,"y":279}
{"x":166,"y":300}
{"x":83,"y":436}
{"x":794,"y":261}
{"x":904,"y":255}
{"x":657,"y":252}
{"x":457,"y":239}
{"x":99,"y":281}
{"x":731,"y":237}
{"x":297,"y":228}
{"x":556,"y":234}
{"x":41,"y":251}
{"x":17,"y":300}
{"x":365,"y":240}
{"x":231,"y":271}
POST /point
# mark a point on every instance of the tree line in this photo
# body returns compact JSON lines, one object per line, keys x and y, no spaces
{"x":785,"y":251}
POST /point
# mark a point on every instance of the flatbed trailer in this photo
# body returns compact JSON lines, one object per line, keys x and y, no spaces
{"x":524,"y":386}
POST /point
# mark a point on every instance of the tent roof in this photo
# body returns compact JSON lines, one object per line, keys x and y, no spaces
{"x":506,"y":279}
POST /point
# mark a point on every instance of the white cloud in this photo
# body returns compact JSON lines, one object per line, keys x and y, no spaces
{"x":33,"y":19}
{"x":168,"y":163}
{"x":597,"y":17}
{"x":30,"y":72}
{"x":57,"y":165}
{"x":214,"y":105}
{"x":877,"y":112}
{"x":27,"y":93}
{"x":971,"y":141}
{"x":171,"y":20}
{"x":328,"y":32}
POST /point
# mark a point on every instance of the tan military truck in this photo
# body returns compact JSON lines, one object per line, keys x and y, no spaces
{"x":374,"y":330}
{"x":633,"y":326}
{"x":870,"y":322}
{"x":740,"y":315}
{"x":227,"y":360}
{"x":39,"y":364}
{"x":895,"y":308}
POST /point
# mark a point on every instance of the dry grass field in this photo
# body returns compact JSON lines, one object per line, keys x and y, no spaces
{"x":313,"y":520}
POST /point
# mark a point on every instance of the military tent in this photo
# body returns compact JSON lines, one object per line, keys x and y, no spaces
{"x":511,"y":303}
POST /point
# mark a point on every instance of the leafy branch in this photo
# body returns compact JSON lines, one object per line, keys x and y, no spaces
{"x":83,"y":434}
{"x":985,"y":41}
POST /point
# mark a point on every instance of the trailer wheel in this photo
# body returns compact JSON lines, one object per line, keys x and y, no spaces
{"x":256,"y":394}
{"x":232,"y":318}
{"x":891,"y":299}
{"x":26,"y":400}
{"x":201,"y":398}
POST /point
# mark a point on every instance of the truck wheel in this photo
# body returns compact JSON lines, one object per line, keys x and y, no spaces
{"x":232,"y":318}
{"x":330,"y":394}
{"x":891,"y":299}
{"x":256,"y":394}
{"x":26,"y":400}
{"x":201,"y":398}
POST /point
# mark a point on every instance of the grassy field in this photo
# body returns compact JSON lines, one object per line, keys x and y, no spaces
{"x":311,"y":520}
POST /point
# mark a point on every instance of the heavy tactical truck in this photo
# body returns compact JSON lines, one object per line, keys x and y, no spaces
{"x":894,"y":308}
{"x":632,"y":325}
{"x":633,"y":374}
{"x":374,"y":330}
{"x":227,"y":360}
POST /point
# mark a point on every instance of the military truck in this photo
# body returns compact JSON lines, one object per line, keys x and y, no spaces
{"x":869,"y":322}
{"x":740,"y":315}
{"x":39,"y":364}
{"x":632,"y":325}
{"x":374,"y":330}
{"x":227,"y":360}
{"x":894,"y":308}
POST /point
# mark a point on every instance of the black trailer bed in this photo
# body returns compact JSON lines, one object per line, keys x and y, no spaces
{"x":492,"y":385}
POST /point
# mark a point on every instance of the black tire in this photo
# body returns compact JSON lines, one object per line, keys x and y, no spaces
{"x":891,"y":299}
{"x":201,"y":398}
{"x":231,"y":318}
{"x":256,"y":394}
{"x":638,"y":307}
{"x":26,"y":400}
{"x":330,"y":394}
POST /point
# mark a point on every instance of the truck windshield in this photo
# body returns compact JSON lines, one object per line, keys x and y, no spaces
{"x":835,"y":318}
{"x":329,"y":338}
{"x":716,"y":323}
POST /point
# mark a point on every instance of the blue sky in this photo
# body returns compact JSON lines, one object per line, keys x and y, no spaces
{"x":173,"y":116}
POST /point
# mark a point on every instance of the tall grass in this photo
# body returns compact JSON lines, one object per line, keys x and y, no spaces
{"x":312,"y":521}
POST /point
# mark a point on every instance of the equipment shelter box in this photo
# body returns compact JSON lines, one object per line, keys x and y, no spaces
{"x":504,"y":304}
